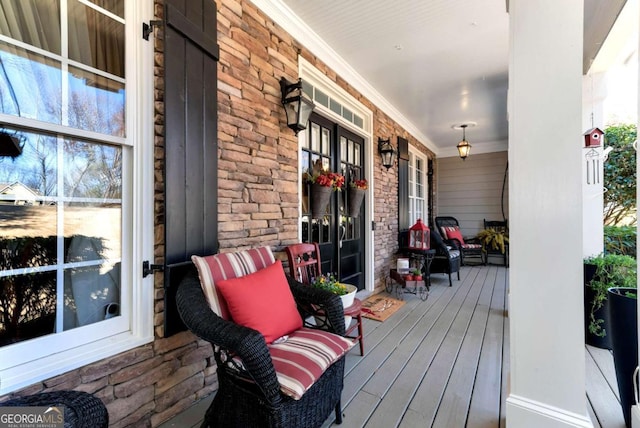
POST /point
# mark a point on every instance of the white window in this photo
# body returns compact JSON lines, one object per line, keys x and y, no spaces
{"x":417,"y":187}
{"x":72,"y":160}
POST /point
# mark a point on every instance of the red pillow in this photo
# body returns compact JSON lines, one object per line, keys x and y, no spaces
{"x":262,"y":301}
{"x":453,"y":232}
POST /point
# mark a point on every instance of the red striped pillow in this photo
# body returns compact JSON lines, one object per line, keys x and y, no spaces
{"x":226,"y":266}
{"x":453,"y":232}
{"x":304,"y":356}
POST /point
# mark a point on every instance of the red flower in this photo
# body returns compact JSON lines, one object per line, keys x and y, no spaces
{"x":326,"y":179}
{"x":360,"y":184}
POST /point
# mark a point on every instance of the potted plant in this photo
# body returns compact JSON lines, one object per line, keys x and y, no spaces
{"x":322,"y":183}
{"x":346,"y":292}
{"x":623,"y":330}
{"x":417,"y":275}
{"x":493,"y":239}
{"x":601,"y":273}
{"x":355,"y":196}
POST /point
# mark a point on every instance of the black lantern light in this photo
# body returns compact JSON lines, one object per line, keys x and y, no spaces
{"x":297,"y":105}
{"x":386,"y":152}
{"x":463,"y":146}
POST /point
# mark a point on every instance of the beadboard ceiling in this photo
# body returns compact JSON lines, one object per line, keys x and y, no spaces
{"x":437,"y":62}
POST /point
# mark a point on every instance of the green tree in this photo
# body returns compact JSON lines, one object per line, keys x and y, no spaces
{"x":620,"y":176}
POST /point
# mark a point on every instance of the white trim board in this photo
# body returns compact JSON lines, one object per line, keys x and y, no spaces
{"x":524,"y":413}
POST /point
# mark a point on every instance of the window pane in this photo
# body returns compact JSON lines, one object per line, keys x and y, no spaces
{"x":356,"y":155}
{"x":96,"y":103}
{"x":322,"y":98}
{"x":92,"y":170}
{"x":28,"y":305}
{"x":114,"y":6}
{"x":335,"y":107}
{"x":315,"y":137}
{"x":96,"y":39}
{"x":31,"y":177}
{"x":35,"y":22}
{"x":92,"y":294}
{"x":30,"y":85}
{"x":92,"y":232}
{"x":326,"y":142}
{"x":358,"y":121}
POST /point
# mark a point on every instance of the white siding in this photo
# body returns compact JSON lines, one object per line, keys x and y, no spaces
{"x":471,"y":190}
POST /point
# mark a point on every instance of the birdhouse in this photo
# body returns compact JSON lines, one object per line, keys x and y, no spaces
{"x":419,"y":236}
{"x":593,"y":137}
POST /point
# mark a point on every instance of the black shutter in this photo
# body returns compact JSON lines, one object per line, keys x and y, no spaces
{"x":403,"y":184}
{"x":191,"y":147}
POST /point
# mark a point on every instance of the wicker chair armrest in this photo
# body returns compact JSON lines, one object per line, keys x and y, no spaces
{"x":245,"y":342}
{"x":313,"y":300}
{"x":454,"y":243}
{"x":473,"y":240}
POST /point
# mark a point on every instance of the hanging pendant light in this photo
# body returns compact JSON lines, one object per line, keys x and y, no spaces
{"x":464,"y":148}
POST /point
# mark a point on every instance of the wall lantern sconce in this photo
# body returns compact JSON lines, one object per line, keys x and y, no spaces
{"x":297,"y":105}
{"x":386,"y":152}
{"x":463,"y":146}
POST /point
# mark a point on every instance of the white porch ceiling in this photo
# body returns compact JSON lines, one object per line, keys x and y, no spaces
{"x":437,"y":62}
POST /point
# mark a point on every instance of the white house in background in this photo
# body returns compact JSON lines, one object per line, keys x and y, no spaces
{"x":17,"y":193}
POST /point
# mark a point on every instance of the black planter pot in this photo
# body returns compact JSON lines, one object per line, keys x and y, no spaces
{"x":603,"y":342}
{"x":623,"y":330}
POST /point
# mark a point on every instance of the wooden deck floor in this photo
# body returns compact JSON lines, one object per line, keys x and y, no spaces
{"x":444,"y":362}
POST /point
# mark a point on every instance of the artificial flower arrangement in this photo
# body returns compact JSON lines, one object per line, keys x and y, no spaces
{"x":330,"y":283}
{"x":326,"y":179}
{"x":360,"y":184}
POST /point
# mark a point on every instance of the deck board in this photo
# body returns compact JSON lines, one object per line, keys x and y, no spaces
{"x":444,"y":362}
{"x":602,"y":398}
{"x":484,"y":409}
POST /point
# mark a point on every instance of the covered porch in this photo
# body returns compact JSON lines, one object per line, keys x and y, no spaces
{"x":444,"y":362}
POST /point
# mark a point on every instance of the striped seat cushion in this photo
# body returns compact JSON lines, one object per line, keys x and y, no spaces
{"x":227,"y":266}
{"x":472,"y":246}
{"x":303,"y":356}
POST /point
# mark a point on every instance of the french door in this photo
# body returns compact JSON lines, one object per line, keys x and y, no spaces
{"x":339,"y":233}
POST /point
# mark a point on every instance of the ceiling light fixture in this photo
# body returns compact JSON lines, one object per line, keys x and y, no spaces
{"x":463,"y":146}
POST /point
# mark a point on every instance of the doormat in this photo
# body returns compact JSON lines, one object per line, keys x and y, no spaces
{"x":381,"y":306}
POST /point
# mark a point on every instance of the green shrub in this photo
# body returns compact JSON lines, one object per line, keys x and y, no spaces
{"x":612,"y":270}
{"x":620,"y":240}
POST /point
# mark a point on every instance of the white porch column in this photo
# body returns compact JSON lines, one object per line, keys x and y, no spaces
{"x":547,"y":385}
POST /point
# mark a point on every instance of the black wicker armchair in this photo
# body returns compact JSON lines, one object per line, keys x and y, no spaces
{"x":447,"y":259}
{"x":469,"y":248}
{"x":249,"y":394}
{"x":81,"y":409}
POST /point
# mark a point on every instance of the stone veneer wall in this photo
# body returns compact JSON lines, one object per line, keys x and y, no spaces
{"x":258,"y":205}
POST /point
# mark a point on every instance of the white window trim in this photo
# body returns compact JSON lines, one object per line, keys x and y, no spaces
{"x":140,"y":299}
{"x":413,"y":154}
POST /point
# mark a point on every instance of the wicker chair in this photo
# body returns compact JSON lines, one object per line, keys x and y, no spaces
{"x":447,"y":259}
{"x":81,"y":409}
{"x":469,"y":248}
{"x":249,"y":394}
